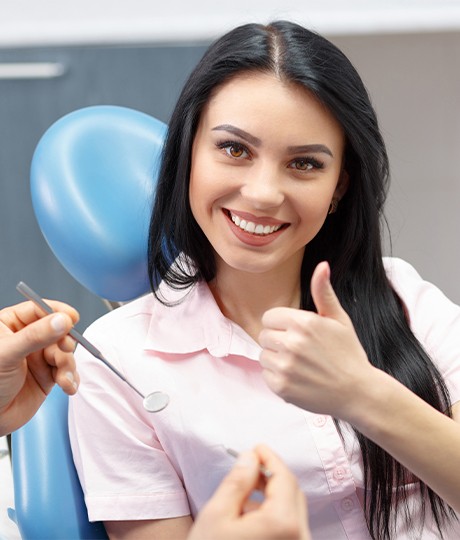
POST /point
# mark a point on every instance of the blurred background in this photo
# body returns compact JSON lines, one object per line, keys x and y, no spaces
{"x":58,"y":56}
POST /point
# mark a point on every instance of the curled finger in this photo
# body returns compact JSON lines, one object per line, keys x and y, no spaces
{"x":271,"y":339}
{"x":65,"y":373}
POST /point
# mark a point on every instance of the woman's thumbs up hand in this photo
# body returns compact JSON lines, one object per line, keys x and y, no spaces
{"x":315,"y":360}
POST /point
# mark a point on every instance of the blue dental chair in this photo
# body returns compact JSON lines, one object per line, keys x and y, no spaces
{"x":92,"y":178}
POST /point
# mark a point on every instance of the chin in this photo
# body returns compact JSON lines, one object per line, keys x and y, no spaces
{"x":246,"y":266}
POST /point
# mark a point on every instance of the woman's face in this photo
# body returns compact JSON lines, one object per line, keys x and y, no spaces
{"x":266,"y":163}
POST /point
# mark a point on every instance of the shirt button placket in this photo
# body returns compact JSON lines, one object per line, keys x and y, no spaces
{"x":347,"y":504}
{"x":320,"y":421}
{"x":340,"y":481}
{"x":339,"y":474}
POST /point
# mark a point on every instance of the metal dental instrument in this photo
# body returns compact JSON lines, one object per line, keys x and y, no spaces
{"x":263,"y":470}
{"x":154,"y":402}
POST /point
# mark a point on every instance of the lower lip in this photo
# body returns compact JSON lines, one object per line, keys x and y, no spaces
{"x":253,"y":239}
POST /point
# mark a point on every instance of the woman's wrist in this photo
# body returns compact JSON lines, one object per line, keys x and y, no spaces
{"x":370,"y":407}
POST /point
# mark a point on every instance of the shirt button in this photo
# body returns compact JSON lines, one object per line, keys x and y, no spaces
{"x":347,"y":504}
{"x":339,"y":473}
{"x":319,"y":421}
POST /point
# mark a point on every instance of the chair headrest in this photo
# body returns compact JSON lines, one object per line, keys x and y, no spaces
{"x":93,"y":176}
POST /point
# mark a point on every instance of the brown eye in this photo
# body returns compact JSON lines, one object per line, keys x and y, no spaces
{"x":306,"y":164}
{"x":235,"y":150}
{"x":302,"y":165}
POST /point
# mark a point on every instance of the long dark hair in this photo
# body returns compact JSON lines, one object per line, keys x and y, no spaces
{"x":350,"y":239}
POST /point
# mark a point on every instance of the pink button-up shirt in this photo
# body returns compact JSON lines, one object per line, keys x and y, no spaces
{"x":138,"y":465}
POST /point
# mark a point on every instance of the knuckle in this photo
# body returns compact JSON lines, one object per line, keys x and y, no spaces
{"x":50,"y":353}
{"x":67,"y":344}
{"x":33,"y":334}
{"x":280,"y":385}
{"x":295,"y":342}
{"x":4,"y":313}
{"x":263,"y":340}
{"x":288,"y":367}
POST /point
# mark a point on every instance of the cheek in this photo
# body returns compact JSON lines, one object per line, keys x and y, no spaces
{"x":312,"y":205}
{"x":210,"y":183}
{"x":198,"y":184}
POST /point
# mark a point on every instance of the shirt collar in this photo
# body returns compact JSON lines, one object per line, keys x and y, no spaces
{"x":195,"y":323}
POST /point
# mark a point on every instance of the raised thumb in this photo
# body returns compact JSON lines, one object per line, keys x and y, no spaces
{"x":323,"y":294}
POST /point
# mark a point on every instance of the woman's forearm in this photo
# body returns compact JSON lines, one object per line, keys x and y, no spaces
{"x":422,"y":439}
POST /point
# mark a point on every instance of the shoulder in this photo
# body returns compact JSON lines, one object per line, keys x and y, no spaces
{"x":135,"y":317}
{"x":137,"y":309}
{"x":399,"y":271}
{"x":413,"y":289}
{"x":129,"y":322}
{"x":434,"y":319}
{"x":421,"y":298}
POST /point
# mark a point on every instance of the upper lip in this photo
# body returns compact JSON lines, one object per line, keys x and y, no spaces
{"x":262,"y":220}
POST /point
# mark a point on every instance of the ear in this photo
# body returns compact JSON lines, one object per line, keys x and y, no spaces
{"x":342,"y":185}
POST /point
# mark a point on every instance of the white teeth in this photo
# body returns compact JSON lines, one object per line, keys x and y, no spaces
{"x":252,"y":227}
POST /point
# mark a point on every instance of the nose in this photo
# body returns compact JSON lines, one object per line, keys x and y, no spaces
{"x":263,"y":188}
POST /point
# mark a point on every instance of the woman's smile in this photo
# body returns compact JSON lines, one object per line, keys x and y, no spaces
{"x":266,"y":163}
{"x":252,"y":230}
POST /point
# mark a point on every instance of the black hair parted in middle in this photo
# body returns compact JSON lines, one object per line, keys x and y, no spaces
{"x":349,"y":239}
{"x":296,"y":55}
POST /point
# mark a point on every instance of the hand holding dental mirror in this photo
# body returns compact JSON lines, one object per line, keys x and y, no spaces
{"x":153,"y":402}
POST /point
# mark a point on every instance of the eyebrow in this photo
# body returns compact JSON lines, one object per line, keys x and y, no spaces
{"x":240,"y":132}
{"x":312,"y":148}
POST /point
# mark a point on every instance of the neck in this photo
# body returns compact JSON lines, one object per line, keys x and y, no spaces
{"x":244,"y":297}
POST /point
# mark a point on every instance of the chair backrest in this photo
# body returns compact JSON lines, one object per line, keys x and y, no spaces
{"x":49,"y":502}
{"x":92,"y":178}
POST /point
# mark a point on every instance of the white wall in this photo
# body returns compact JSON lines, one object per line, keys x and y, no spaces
{"x":29,"y":22}
{"x":414,"y":81}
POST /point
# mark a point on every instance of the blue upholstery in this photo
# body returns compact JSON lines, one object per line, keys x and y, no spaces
{"x":48,"y":497}
{"x":92,"y":178}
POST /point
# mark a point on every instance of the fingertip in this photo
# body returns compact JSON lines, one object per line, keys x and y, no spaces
{"x":67,"y":344}
{"x":68,"y":310}
{"x":69,"y":382}
{"x":265,"y":453}
{"x":61,"y":323}
{"x":324,"y":266}
{"x":75,"y":315}
{"x":322,"y":272}
{"x":263,"y":448}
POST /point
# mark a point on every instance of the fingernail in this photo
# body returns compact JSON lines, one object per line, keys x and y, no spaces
{"x":58,"y":323}
{"x":70,"y":377}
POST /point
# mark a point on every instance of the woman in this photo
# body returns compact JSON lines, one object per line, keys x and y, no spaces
{"x":273,"y":165}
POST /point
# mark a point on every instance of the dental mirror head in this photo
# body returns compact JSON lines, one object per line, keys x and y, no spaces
{"x":156,"y":401}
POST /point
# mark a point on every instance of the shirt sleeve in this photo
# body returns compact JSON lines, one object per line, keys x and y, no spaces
{"x":434,"y":319}
{"x":123,"y":470}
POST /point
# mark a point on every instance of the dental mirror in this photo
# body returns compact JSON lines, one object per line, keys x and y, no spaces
{"x":153,"y":402}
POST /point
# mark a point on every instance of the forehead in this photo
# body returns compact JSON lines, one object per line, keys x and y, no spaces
{"x":262,"y":103}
